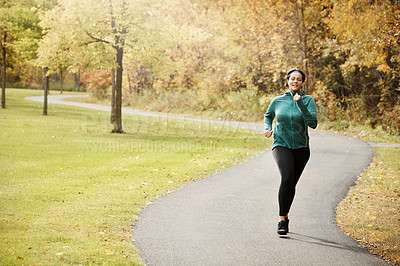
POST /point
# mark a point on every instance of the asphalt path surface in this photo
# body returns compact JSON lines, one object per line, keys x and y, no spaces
{"x":231,"y":218}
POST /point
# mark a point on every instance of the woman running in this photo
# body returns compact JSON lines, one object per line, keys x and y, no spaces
{"x":295,"y":112}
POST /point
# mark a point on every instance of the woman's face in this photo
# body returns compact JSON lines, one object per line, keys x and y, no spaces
{"x":295,"y":81}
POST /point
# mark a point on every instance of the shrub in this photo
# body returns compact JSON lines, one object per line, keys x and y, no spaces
{"x":99,"y":82}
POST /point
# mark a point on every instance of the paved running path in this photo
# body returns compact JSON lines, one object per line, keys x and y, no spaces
{"x":230,"y":218}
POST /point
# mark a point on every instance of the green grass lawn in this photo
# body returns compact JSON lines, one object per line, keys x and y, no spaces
{"x":71,"y":191}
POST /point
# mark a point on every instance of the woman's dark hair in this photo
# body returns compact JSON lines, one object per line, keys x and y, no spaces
{"x":303,"y":76}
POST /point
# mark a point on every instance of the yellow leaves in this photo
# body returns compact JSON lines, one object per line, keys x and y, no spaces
{"x":357,"y":24}
{"x":123,"y":238}
{"x":384,"y":68}
{"x":350,"y":4}
{"x":369,"y":216}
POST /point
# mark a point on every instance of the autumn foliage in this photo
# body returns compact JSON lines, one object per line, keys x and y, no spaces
{"x":228,"y":56}
{"x":98,"y":81}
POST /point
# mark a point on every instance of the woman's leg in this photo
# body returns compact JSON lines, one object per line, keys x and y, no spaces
{"x":301,"y":157}
{"x":285,"y":160}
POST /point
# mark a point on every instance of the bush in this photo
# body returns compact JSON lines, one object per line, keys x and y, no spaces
{"x":99,"y":82}
{"x":391,"y":120}
{"x":248,"y":104}
{"x":243,"y":106}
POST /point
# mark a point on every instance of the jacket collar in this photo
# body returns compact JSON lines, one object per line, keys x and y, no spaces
{"x":290,"y":93}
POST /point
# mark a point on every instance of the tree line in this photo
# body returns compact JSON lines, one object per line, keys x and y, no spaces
{"x":213,"y":55}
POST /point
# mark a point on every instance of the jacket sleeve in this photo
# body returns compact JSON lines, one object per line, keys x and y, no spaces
{"x":309,"y":110}
{"x":269,"y":116}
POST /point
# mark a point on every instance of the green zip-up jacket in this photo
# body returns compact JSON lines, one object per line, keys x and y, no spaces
{"x":292,"y":120}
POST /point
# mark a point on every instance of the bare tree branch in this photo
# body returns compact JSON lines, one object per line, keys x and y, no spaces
{"x":96,"y":39}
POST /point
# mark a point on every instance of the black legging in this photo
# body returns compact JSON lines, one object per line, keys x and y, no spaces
{"x":291,"y":163}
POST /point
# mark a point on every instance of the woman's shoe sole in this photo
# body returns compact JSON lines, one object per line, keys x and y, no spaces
{"x":282,"y":232}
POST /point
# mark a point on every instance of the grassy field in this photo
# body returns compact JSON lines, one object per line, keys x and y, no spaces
{"x":370,"y":212}
{"x":70,"y":190}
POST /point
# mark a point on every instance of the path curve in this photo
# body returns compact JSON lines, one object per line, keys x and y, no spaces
{"x":230,"y":218}
{"x":60,"y":99}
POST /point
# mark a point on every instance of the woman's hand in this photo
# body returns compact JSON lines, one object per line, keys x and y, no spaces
{"x":296,"y":97}
{"x":268,"y":133}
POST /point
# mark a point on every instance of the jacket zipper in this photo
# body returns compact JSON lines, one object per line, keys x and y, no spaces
{"x":291,"y":119}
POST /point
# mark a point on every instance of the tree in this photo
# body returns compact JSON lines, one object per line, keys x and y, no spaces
{"x":301,"y":25}
{"x":54,"y":51}
{"x":259,"y":34}
{"x":3,"y":84}
{"x":46,"y":90}
{"x":98,"y":33}
{"x":367,"y":35}
{"x":258,"y":40}
{"x":19,"y":33}
{"x":356,"y":25}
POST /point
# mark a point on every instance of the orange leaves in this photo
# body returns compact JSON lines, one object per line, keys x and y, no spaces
{"x":97,"y":79}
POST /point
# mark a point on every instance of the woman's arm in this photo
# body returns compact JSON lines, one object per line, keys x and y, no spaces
{"x":309,"y":110}
{"x":269,"y":116}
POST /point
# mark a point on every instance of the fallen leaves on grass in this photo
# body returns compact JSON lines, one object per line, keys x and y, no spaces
{"x":370,"y":212}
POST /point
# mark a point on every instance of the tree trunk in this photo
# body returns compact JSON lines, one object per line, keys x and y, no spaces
{"x":129,"y":82}
{"x":3,"y":84}
{"x":61,"y":81}
{"x":112,"y":118}
{"x":305,"y":44}
{"x":355,"y":85}
{"x":118,"y":92}
{"x":46,"y":91}
{"x":77,"y":81}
